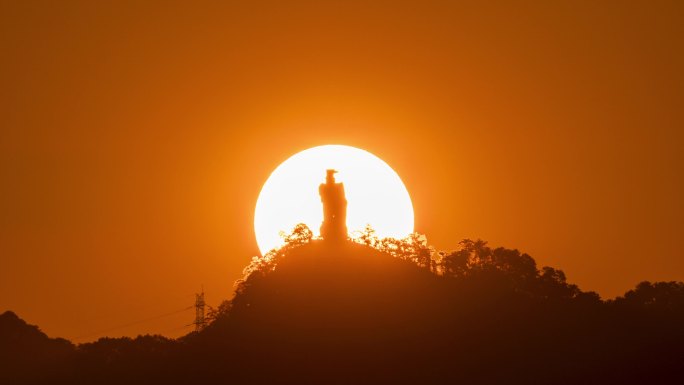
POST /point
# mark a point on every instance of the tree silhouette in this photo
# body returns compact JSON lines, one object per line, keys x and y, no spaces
{"x":299,"y":235}
{"x":660,"y":296}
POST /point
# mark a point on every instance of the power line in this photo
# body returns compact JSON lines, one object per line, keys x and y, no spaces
{"x":175,"y":329}
{"x":134,"y":323}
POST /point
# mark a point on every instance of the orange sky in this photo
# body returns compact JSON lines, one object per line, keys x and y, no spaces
{"x":135,"y":138}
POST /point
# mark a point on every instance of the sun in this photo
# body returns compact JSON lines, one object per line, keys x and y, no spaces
{"x":376,"y":195}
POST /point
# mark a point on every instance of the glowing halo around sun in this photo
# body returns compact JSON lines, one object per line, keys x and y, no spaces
{"x":375,"y":195}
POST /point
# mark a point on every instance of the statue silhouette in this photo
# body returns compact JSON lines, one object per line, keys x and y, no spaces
{"x":334,"y":227}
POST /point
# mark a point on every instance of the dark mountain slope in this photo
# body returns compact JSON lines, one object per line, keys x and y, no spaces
{"x":351,"y":314}
{"x":27,"y":352}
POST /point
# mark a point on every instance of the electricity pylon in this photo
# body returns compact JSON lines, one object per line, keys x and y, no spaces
{"x":200,"y":321}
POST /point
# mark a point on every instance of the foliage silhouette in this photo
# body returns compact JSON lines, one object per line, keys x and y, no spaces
{"x":375,"y":310}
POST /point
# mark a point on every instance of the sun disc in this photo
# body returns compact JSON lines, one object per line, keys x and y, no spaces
{"x":375,"y":195}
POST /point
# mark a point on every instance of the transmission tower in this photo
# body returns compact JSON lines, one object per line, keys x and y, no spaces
{"x":200,"y":321}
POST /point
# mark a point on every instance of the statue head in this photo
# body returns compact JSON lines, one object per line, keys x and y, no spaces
{"x":330,"y":176}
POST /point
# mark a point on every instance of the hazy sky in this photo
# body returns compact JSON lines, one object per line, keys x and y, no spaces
{"x":135,"y":138}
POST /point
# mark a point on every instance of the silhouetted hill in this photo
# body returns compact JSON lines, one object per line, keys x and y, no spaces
{"x":27,"y":352}
{"x":346,"y":313}
{"x":352,"y":314}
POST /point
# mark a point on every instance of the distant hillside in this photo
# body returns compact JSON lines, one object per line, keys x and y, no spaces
{"x":27,"y":352}
{"x":346,"y":313}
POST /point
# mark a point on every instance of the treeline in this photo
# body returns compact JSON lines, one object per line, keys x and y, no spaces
{"x":475,"y":262}
{"x":386,"y":311}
